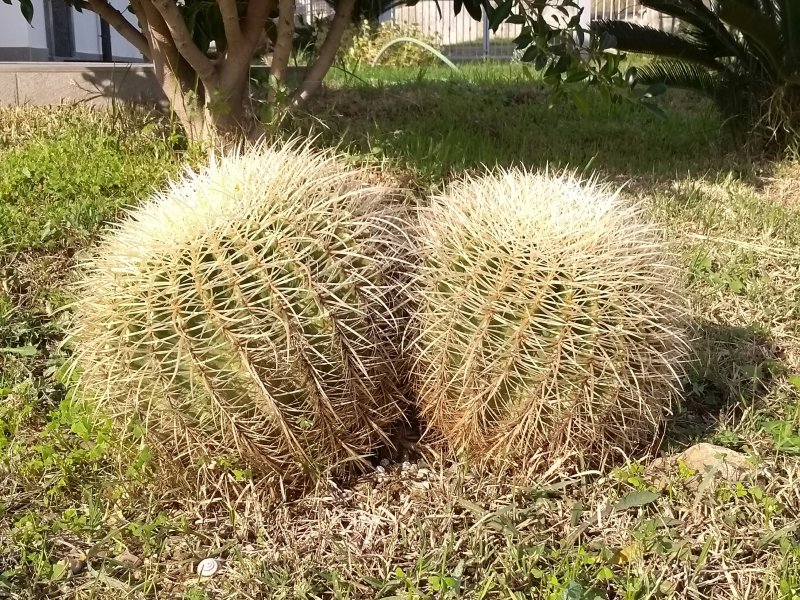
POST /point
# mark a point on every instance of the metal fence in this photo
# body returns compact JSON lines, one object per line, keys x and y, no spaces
{"x":630,"y":10}
{"x":463,"y":38}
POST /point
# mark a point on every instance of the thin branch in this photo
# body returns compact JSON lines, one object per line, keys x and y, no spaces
{"x":118,"y":21}
{"x":184,"y":43}
{"x":327,"y":53}
{"x":230,"y":21}
{"x":257,"y":14}
{"x":283,"y":45}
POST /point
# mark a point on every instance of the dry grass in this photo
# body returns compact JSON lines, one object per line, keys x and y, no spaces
{"x":406,"y":531}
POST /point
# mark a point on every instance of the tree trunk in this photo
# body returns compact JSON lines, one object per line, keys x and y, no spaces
{"x":214,"y":109}
{"x":183,"y":89}
{"x":327,"y":53}
{"x":283,"y":47}
{"x":229,"y":115}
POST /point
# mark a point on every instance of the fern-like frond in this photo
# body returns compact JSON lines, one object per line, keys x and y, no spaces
{"x":632,"y":37}
{"x":707,"y":23}
{"x":788,"y":18}
{"x":757,"y":28}
{"x":680,"y":74}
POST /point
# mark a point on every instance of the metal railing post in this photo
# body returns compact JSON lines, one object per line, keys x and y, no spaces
{"x":486,"y":34}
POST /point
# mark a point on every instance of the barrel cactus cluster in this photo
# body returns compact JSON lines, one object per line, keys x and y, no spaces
{"x":269,"y":312}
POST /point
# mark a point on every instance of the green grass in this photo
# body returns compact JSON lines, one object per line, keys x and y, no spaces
{"x":64,"y":173}
{"x":437,"y":123}
{"x":70,"y":495}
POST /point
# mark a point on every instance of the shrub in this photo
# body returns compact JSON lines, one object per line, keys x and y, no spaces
{"x":743,"y":55}
{"x":546,"y":323}
{"x":238,"y":318}
{"x":362,"y":42}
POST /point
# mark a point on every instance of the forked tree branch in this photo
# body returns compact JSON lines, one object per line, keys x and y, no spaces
{"x":327,"y":53}
{"x":283,"y":44}
{"x":230,"y":21}
{"x":124,"y":27}
{"x":182,"y":39}
{"x":257,"y":14}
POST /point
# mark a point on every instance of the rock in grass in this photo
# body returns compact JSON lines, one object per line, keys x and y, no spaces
{"x":702,"y":464}
{"x":239,"y":319}
{"x":547,"y":320}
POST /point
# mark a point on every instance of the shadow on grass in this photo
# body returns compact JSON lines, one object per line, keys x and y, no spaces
{"x":733,"y":373}
{"x":438,"y":128}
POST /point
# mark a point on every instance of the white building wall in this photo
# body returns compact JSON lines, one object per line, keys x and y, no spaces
{"x":30,"y":41}
{"x":87,"y":34}
{"x":15,"y":31}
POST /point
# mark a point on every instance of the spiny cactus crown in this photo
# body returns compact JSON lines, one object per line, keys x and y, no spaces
{"x":546,"y":318}
{"x":241,"y":314}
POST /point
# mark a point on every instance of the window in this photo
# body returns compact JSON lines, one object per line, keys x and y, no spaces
{"x":62,"y":33}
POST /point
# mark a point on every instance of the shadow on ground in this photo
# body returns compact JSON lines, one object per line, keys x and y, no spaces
{"x":438,"y":128}
{"x":733,"y":372}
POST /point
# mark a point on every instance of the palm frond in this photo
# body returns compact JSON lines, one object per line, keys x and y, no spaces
{"x":680,"y":74}
{"x":708,"y":25}
{"x":769,"y":8}
{"x":631,"y":37}
{"x":788,"y":17}
{"x":757,"y":28}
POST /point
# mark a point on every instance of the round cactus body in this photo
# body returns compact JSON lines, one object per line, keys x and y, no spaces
{"x":545,"y":323}
{"x":240,"y":316}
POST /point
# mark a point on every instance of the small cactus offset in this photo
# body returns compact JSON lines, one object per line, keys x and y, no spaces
{"x":240,"y":316}
{"x":546,"y":322}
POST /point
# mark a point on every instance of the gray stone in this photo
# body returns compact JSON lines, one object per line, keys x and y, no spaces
{"x":709,"y":462}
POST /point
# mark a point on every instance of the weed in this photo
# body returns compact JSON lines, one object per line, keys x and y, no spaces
{"x":58,"y":186}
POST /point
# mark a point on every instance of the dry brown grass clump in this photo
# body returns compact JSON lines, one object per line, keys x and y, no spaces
{"x":239,"y":318}
{"x":547,"y":321}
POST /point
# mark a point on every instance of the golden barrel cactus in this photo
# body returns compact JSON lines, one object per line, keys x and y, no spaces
{"x":546,"y":320}
{"x":241,"y":317}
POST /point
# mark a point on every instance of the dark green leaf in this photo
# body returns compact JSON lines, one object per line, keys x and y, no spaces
{"x":574,"y":591}
{"x":635,"y":499}
{"x":630,"y":76}
{"x":474,"y":8}
{"x":577,"y":75}
{"x":523,"y":41}
{"x":26,"y":6}
{"x":530,"y":54}
{"x":500,"y":14}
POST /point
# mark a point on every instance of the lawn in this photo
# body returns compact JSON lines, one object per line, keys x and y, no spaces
{"x":76,"y":521}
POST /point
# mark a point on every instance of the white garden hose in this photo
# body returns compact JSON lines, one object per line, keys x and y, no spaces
{"x":411,"y":40}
